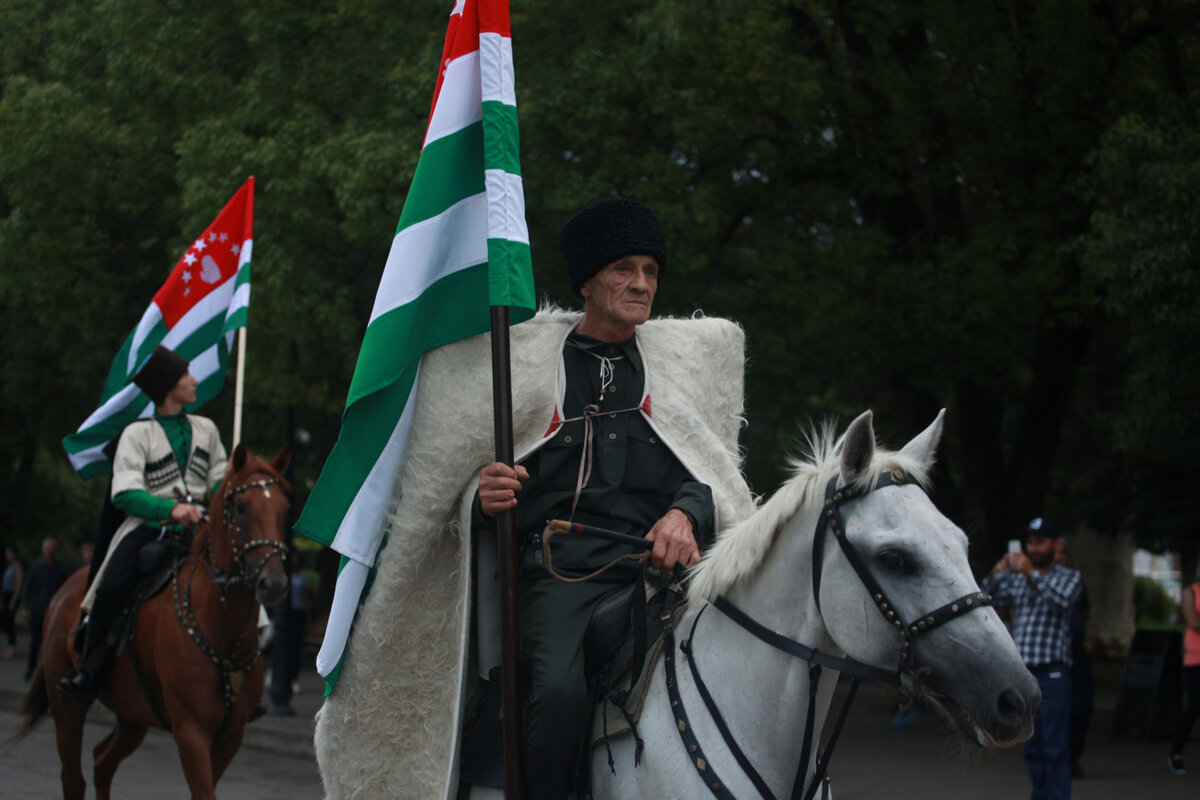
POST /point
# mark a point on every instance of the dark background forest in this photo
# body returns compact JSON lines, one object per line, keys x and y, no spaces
{"x":989,"y":207}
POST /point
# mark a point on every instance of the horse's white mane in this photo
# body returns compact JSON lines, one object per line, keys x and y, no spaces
{"x":740,"y":549}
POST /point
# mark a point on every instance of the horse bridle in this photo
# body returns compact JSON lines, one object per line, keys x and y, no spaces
{"x":831,"y":519}
{"x":242,"y":545}
{"x":233,"y":670}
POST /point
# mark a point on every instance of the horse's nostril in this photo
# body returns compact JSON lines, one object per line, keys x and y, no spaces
{"x":1010,"y":705}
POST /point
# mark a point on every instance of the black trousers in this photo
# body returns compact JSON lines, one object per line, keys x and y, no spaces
{"x":117,"y":583}
{"x":1191,"y":676}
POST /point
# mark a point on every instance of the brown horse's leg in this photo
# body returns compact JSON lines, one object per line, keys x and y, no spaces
{"x":225,"y":748}
{"x":56,"y":662}
{"x":68,"y":730}
{"x":111,"y":751}
{"x":195,"y":752}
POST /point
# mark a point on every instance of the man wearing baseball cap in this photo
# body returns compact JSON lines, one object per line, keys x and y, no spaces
{"x":1041,"y":593}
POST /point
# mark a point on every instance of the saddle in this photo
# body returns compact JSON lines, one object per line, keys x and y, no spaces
{"x":625,"y":628}
{"x":157,"y":562}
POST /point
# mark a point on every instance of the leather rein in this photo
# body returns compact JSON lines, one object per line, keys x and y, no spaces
{"x":233,"y":668}
{"x":831,"y":520}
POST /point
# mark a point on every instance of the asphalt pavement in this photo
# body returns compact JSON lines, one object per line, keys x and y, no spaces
{"x":872,"y":760}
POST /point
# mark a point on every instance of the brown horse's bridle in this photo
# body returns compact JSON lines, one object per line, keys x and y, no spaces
{"x":233,"y":669}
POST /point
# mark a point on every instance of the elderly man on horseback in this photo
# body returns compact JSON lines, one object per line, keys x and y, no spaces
{"x":165,"y":470}
{"x":606,"y":467}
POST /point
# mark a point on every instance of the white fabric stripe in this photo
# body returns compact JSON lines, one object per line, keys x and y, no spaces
{"x":240,"y":300}
{"x":150,"y":318}
{"x":506,"y":206}
{"x":244,"y":254}
{"x":458,"y":103}
{"x":498,"y":80}
{"x":359,"y":536}
{"x":115,"y":404}
{"x":428,"y":251}
{"x":346,"y":592}
{"x":208,"y":363}
{"x":361,"y":530}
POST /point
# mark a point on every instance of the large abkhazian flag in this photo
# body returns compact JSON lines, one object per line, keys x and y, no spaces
{"x":461,"y":247}
{"x":195,"y":313}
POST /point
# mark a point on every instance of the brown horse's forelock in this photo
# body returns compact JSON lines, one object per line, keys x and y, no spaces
{"x":216,"y":509}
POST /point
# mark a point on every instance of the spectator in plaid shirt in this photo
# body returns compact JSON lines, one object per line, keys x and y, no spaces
{"x":1040,"y":594}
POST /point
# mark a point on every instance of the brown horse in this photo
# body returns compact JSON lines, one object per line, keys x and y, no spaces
{"x":193,"y":666}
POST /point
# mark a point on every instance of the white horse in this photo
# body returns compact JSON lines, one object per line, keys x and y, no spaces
{"x":849,"y":567}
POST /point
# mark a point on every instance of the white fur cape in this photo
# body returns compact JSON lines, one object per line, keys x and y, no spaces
{"x":390,"y":727}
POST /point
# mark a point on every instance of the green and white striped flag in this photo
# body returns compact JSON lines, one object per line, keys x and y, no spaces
{"x":461,"y":247}
{"x":195,"y":313}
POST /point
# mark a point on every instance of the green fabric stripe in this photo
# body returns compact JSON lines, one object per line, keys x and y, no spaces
{"x":238,"y":319}
{"x":243,"y":276}
{"x":366,"y":427}
{"x":502,"y":141}
{"x":509,"y":282}
{"x":117,"y":376}
{"x":106,"y":428}
{"x":449,"y":170}
{"x":203,"y":337}
{"x":453,"y":308}
{"x":101,"y":467}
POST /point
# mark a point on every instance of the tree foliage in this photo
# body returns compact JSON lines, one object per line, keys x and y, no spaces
{"x":990,"y":208}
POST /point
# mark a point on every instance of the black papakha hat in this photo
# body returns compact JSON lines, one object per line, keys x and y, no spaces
{"x":607,"y":231}
{"x":160,"y":373}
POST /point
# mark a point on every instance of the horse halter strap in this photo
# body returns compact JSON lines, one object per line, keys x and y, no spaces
{"x":831,"y":519}
{"x":233,"y":668}
{"x":241,"y":544}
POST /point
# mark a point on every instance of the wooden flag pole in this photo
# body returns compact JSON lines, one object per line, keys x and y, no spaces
{"x":507,"y":554}
{"x":238,"y":388}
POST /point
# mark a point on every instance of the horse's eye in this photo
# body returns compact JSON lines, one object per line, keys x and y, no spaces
{"x":896,"y":562}
{"x":241,"y":506}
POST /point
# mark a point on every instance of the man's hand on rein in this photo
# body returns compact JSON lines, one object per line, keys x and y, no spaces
{"x":187,"y":514}
{"x":674,"y":542}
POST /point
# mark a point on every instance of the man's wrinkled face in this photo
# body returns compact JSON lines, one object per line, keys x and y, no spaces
{"x":622,"y":293}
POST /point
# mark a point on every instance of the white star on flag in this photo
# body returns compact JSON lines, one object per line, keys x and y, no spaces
{"x":189,"y":259}
{"x":187,"y":276}
{"x":212,"y":237}
{"x":200,"y":244}
{"x":235,"y":249}
{"x":458,"y":7}
{"x":224,"y":237}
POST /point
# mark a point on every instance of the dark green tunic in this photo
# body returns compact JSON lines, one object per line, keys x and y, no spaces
{"x":635,"y":479}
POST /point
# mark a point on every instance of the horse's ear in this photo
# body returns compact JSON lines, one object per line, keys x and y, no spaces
{"x":238,"y":459}
{"x":925,"y":444}
{"x":858,"y":448}
{"x":282,"y":459}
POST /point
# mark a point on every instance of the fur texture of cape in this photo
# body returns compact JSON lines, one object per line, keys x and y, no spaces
{"x":390,"y":727}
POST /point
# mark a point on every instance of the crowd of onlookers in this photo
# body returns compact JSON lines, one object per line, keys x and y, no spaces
{"x":25,"y":592}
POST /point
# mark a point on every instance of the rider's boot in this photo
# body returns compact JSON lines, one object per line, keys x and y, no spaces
{"x":97,"y":653}
{"x":547,"y":773}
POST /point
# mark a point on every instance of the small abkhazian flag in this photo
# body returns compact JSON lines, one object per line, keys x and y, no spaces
{"x":461,"y":247}
{"x":195,"y":313}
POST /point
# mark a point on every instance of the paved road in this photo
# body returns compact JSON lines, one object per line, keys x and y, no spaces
{"x":153,"y":772}
{"x":872,"y":762}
